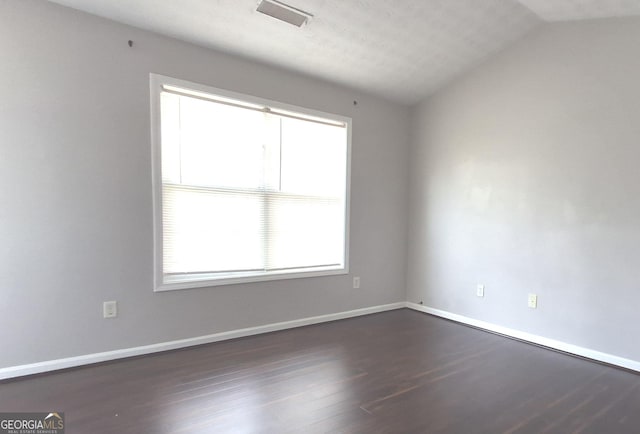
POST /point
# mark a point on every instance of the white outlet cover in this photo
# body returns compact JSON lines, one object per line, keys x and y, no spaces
{"x":480,"y":291}
{"x":356,"y":282}
{"x":533,"y":301}
{"x":110,"y":309}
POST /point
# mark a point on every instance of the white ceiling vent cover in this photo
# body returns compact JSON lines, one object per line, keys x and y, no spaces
{"x":284,"y":12}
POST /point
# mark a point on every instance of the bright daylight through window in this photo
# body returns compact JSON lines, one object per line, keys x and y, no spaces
{"x":245,"y":189}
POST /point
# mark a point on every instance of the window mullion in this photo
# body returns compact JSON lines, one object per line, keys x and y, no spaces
{"x":272,"y":169}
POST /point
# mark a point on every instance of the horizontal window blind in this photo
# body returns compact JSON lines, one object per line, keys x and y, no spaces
{"x":248,"y":192}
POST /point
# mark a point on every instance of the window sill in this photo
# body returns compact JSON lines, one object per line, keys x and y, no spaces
{"x":173,"y":282}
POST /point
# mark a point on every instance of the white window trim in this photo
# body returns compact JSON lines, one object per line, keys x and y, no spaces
{"x":156,"y":83}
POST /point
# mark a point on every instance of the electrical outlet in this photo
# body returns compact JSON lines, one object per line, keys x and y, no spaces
{"x":533,"y":301}
{"x":480,"y":290}
{"x":356,"y":282}
{"x":110,"y":309}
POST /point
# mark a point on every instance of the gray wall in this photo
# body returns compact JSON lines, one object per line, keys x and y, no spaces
{"x":75,"y":195}
{"x":524,"y":177}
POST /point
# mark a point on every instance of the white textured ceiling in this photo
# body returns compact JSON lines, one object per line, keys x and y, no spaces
{"x":402,"y":50}
{"x":566,"y":10}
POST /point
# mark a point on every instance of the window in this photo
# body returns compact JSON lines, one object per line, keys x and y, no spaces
{"x":245,"y":189}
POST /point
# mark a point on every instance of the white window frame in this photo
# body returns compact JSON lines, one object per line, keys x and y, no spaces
{"x":156,"y":83}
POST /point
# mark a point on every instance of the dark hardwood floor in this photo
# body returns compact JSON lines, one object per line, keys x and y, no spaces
{"x":394,"y":372}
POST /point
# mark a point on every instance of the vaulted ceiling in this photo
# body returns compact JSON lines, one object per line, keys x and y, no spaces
{"x":401,"y":50}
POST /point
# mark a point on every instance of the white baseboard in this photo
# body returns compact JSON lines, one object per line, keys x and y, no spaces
{"x":539,"y":340}
{"x":70,"y":362}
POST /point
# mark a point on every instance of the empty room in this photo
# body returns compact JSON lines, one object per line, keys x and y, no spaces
{"x":319,"y":216}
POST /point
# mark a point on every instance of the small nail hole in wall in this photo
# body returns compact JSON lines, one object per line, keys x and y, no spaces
{"x":130,"y":42}
{"x":355,"y":102}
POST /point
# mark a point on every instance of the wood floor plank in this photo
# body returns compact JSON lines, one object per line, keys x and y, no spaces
{"x":393,"y":372}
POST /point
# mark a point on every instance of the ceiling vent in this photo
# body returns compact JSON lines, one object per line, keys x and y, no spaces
{"x":284,"y":12}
